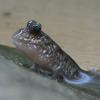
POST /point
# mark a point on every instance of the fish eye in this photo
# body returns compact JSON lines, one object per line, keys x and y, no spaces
{"x":33,"y":26}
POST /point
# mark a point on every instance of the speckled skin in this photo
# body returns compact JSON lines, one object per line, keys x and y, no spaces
{"x":42,"y":50}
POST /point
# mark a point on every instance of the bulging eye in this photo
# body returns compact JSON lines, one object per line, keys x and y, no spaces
{"x":33,"y":26}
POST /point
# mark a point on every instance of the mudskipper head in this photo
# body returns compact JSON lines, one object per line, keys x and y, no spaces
{"x":28,"y":40}
{"x":27,"y":35}
{"x":34,"y":43}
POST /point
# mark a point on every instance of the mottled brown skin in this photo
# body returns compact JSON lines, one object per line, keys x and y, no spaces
{"x":42,"y":50}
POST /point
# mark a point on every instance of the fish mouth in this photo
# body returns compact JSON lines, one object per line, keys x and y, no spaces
{"x":16,"y":37}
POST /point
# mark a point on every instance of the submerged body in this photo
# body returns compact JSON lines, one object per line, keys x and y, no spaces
{"x":42,"y":50}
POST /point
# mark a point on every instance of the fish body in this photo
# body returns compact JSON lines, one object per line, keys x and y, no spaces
{"x":45,"y":52}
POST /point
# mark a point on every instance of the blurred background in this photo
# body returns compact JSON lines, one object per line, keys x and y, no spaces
{"x":73,"y":24}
